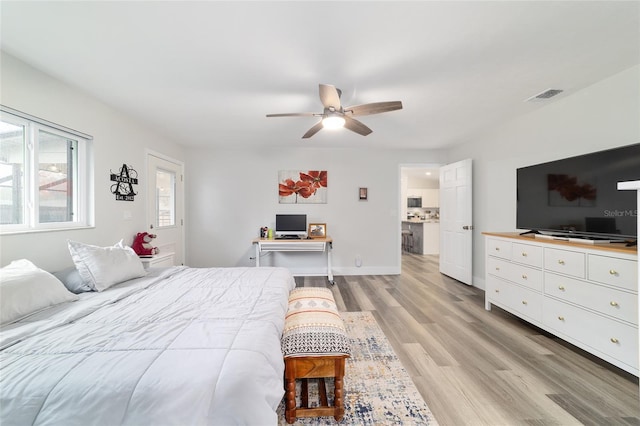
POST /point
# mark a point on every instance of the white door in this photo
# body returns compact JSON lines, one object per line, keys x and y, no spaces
{"x":456,"y":230}
{"x":165,"y":205}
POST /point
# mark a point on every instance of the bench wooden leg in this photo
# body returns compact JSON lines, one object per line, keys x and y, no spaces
{"x":290,"y":400}
{"x":304,"y":368}
{"x":338,"y":402}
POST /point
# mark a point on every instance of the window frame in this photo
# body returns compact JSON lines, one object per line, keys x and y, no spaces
{"x":172,"y":197}
{"x":82,"y":198}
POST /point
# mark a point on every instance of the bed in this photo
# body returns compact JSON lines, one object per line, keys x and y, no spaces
{"x":176,"y":346}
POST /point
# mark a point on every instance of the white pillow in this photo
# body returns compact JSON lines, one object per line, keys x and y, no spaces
{"x":25,"y":289}
{"x":102,"y":267}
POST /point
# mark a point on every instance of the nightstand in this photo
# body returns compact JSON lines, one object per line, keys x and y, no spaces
{"x":161,"y":259}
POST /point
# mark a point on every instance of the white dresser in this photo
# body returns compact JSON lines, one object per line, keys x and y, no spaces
{"x":584,"y":294}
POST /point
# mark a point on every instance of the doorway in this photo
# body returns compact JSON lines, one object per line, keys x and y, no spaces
{"x":454,"y":216}
{"x":419,"y":209}
{"x":165,"y":204}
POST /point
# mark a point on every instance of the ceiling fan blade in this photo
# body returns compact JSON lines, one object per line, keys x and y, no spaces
{"x":356,"y":126}
{"x":374,"y":108}
{"x":330,"y":96}
{"x":312,"y":131}
{"x":294,"y":114}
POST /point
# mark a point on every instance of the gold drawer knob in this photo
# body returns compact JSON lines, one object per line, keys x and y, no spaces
{"x":524,"y":276}
{"x":524,"y":254}
{"x":613,"y":272}
{"x":614,"y":340}
{"x":524,"y":302}
{"x":561,"y":262}
{"x":614,"y":304}
{"x":497,"y":291}
{"x":561,"y":287}
{"x":497,"y":248}
{"x":561,"y":318}
{"x":497,"y":268}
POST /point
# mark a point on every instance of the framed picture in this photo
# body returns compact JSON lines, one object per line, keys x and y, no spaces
{"x":302,"y":186}
{"x":317,"y":230}
{"x":362,"y":194}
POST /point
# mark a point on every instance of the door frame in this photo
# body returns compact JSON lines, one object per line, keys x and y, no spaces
{"x":181,"y":200}
{"x":402,"y":201}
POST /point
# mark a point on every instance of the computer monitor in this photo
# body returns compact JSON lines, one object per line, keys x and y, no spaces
{"x":291,"y":225}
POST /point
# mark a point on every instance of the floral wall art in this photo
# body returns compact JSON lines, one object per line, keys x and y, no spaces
{"x":302,"y":187}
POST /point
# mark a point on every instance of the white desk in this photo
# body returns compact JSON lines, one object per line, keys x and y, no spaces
{"x":320,"y":245}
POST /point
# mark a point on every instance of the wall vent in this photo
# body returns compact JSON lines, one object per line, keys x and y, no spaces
{"x":549,"y":93}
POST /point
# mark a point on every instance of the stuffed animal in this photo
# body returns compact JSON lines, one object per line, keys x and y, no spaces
{"x":141,"y":244}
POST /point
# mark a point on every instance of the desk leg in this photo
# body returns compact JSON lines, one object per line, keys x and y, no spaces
{"x":329,"y":271}
{"x":257,"y":255}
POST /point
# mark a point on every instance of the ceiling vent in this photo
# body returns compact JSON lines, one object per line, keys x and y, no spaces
{"x":549,"y":93}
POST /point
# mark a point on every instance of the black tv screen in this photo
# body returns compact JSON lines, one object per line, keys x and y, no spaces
{"x":579,"y":195}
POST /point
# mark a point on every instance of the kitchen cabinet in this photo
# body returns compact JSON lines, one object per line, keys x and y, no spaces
{"x":430,"y":196}
{"x":426,"y":236}
{"x":414,"y":192}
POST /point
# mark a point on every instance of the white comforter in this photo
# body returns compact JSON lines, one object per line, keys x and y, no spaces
{"x":183,"y":347}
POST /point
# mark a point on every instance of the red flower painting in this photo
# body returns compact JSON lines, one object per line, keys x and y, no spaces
{"x":302,"y":186}
{"x":318,"y":178}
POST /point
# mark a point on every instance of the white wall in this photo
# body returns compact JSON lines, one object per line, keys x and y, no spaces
{"x":117,"y":140}
{"x":602,"y":116}
{"x":232,"y":193}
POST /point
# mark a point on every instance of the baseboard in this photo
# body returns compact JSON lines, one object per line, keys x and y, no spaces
{"x":364,"y":270}
{"x":478,"y":282}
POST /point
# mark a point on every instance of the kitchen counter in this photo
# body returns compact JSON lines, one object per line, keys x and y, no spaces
{"x":426,"y":235}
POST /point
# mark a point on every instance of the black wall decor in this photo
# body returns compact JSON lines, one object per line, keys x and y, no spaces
{"x":125,"y":179}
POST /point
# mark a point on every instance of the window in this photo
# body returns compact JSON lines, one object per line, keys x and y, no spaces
{"x":44,"y":175}
{"x":165,"y":198}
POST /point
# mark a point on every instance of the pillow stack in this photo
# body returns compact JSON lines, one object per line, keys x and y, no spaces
{"x":102,"y":267}
{"x":26,"y":289}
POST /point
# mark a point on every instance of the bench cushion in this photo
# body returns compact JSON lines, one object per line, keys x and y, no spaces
{"x":313,"y":326}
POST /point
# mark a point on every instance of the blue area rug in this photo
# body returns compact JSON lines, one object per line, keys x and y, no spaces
{"x":378,"y":390}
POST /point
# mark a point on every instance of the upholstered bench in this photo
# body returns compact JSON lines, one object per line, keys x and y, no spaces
{"x":315,"y":345}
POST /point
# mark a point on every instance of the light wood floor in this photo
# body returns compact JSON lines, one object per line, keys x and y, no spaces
{"x":475,"y":367}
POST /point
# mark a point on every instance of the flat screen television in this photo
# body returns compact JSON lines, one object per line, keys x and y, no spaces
{"x":578,"y":196}
{"x":291,"y":225}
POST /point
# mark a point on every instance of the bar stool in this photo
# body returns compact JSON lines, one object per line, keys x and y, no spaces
{"x":407,"y":240}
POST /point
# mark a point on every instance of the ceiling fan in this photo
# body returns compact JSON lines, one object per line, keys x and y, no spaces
{"x":336,"y":116}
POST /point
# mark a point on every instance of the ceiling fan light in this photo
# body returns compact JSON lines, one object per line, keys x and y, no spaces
{"x":333,"y":122}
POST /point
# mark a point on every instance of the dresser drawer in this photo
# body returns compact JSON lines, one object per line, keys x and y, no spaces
{"x":565,"y":261}
{"x":622,"y":273}
{"x":527,"y":254}
{"x":520,"y":274}
{"x":498,"y":267}
{"x":499,"y":248}
{"x":515,"y":299}
{"x":610,"y":337}
{"x":618,"y":304}
{"x":526,"y":276}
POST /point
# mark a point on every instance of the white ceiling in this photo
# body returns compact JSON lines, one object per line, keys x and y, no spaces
{"x":206,"y":73}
